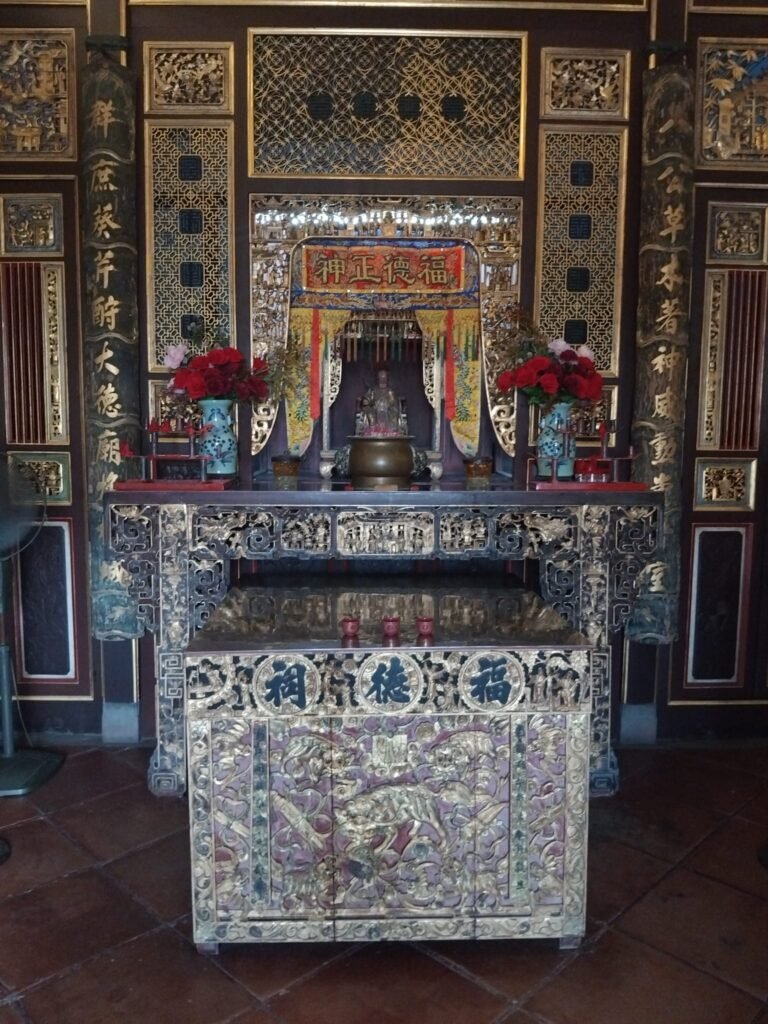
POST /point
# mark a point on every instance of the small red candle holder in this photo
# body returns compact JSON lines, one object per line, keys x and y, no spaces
{"x":390,"y":625}
{"x":425,"y":625}
{"x":350,"y":625}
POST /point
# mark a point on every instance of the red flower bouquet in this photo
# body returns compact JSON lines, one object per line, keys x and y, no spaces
{"x":222,"y":373}
{"x":562,"y":374}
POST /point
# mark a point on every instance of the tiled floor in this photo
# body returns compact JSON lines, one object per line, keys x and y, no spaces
{"x":94,"y":917}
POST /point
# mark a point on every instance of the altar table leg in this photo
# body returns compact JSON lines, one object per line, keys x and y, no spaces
{"x":208,"y":948}
{"x":570,"y":941}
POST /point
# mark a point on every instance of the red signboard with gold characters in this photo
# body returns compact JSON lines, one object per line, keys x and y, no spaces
{"x":405,"y":269}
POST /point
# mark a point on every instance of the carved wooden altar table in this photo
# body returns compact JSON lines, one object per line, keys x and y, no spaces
{"x":596,"y":551}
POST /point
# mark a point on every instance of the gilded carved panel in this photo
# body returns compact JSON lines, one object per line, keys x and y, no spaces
{"x":188,"y":78}
{"x":37,"y":84}
{"x":585,"y":84}
{"x":725,"y":485}
{"x":736,"y":233}
{"x":49,"y":473}
{"x":339,"y":104}
{"x":711,"y":373}
{"x":579,"y":260}
{"x":31,"y":225}
{"x":732,"y":102}
{"x":190,"y":296}
{"x":492,"y":224}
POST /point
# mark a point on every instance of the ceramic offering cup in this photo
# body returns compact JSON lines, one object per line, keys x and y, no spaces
{"x":390,"y":625}
{"x":350,"y":625}
{"x":425,"y":625}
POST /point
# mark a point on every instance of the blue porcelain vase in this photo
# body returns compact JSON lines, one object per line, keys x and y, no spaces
{"x":553,"y":442}
{"x":219,"y":441}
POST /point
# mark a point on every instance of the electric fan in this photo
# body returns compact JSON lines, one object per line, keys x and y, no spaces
{"x":22,"y":514}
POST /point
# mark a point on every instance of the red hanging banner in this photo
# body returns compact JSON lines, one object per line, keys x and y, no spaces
{"x":450,"y":368}
{"x":314,"y":368}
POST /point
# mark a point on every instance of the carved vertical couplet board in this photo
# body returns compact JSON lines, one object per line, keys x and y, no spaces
{"x":373,"y":795}
{"x":592,"y":560}
{"x":666,"y":232}
{"x":111,"y":358}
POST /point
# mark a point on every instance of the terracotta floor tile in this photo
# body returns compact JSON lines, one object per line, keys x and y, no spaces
{"x":111,"y":825}
{"x":159,"y":875}
{"x":253,"y":1016}
{"x":697,"y":782}
{"x":713,"y":927}
{"x":624,"y":982}
{"x":660,"y":824}
{"x":59,"y":924}
{"x":271,"y":967}
{"x":729,"y":855}
{"x":137,"y":757}
{"x":157,"y":978}
{"x":746,"y":758}
{"x":391,"y":984}
{"x":511,"y":967}
{"x":617,"y":876}
{"x":39,"y":853}
{"x":16,"y":808}
{"x":84,"y":777}
{"x":636,"y":760}
{"x":8,"y":1015}
{"x":757,"y":810}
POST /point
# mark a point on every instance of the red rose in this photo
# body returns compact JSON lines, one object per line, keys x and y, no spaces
{"x":258,"y":387}
{"x":199,"y":363}
{"x":217,"y":384}
{"x":594,"y":387}
{"x":549,"y":383}
{"x":586,"y":364}
{"x":225,"y":357}
{"x":193,"y":383}
{"x":568,"y":356}
{"x":524,"y":376}
{"x":539,"y":364}
{"x":506,"y":380}
{"x":259,"y":365}
{"x":576,"y":385}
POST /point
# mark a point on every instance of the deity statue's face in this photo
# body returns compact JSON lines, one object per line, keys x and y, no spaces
{"x":383,"y":379}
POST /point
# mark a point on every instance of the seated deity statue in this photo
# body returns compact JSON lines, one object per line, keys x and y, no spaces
{"x":380,"y":411}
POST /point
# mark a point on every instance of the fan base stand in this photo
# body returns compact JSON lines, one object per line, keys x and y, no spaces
{"x":25,"y":770}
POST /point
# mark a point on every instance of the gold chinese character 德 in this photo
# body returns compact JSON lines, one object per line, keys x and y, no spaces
{"x":398,"y":268}
{"x":108,"y":401}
